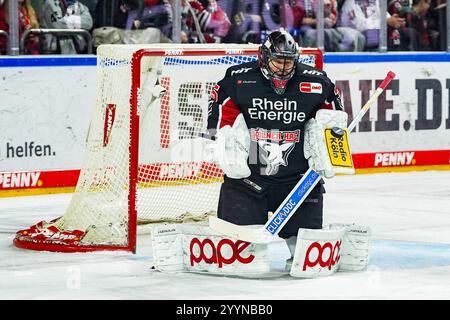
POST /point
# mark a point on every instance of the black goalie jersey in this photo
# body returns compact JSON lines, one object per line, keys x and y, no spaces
{"x":276,"y":122}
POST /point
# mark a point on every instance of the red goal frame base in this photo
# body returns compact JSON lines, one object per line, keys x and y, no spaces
{"x":45,"y":236}
{"x":53,"y":247}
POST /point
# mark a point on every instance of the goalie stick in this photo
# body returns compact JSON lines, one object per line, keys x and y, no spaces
{"x":295,"y":198}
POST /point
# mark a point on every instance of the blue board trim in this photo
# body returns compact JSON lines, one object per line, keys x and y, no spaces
{"x":48,"y":61}
{"x":91,"y":60}
{"x":370,"y":57}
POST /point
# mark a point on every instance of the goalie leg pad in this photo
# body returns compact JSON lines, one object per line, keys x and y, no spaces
{"x":198,"y":248}
{"x":355,"y":248}
{"x":317,"y":252}
{"x":167,"y":250}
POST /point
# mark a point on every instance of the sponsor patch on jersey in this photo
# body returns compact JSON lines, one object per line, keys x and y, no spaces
{"x":310,"y":87}
{"x":245,"y":81}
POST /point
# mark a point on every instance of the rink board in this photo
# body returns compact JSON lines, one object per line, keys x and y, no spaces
{"x":46,"y":103}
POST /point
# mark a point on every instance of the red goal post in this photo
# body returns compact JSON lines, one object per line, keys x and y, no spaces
{"x":143,"y":161}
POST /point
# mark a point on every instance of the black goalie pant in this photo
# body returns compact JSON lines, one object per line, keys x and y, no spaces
{"x":248,"y":201}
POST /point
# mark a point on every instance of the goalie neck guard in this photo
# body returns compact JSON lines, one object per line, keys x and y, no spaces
{"x":278,"y":57}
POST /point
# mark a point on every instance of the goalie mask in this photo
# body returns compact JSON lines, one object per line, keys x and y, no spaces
{"x":278,"y":57}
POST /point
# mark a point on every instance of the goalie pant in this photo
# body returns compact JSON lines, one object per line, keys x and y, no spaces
{"x":248,"y":201}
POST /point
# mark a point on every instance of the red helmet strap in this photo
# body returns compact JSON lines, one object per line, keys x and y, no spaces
{"x":279,"y":84}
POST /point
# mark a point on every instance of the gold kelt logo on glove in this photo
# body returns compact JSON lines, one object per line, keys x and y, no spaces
{"x":338,"y":148}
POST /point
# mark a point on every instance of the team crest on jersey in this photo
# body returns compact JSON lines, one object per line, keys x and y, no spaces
{"x":274,"y":147}
{"x":310,"y":87}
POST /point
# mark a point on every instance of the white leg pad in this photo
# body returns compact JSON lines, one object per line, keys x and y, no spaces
{"x":167,"y":248}
{"x":317,"y":252}
{"x":356,"y":247}
{"x":198,"y":248}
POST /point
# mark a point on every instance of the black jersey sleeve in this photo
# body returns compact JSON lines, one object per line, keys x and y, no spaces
{"x":333,"y":100}
{"x":222,"y":109}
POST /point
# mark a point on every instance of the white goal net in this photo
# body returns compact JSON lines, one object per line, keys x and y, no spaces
{"x":144,"y":151}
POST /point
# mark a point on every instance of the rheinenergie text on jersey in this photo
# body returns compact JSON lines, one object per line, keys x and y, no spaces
{"x":278,"y":110}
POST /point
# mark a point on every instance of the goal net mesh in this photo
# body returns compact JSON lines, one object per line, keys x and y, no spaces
{"x":158,"y":141}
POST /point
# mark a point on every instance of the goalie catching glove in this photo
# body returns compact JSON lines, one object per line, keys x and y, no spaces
{"x":231,"y":148}
{"x":326,"y":143}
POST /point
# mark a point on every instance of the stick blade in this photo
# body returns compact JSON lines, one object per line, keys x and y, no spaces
{"x":244,"y":233}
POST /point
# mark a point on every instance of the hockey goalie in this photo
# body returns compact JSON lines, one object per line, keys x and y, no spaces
{"x":271,"y":120}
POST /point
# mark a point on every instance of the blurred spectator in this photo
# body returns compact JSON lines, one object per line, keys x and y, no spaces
{"x":395,"y":20}
{"x":190,"y":10}
{"x":129,"y":25}
{"x":401,"y":35}
{"x":152,"y":13}
{"x":364,"y":16}
{"x":218,"y":24}
{"x":3,"y":26}
{"x":336,"y":38}
{"x":437,"y":23}
{"x":91,"y":4}
{"x":27,"y":20}
{"x":416,"y":19}
{"x":117,"y":16}
{"x":203,"y":21}
{"x":249,"y":19}
{"x":352,"y":39}
{"x":65,"y":14}
{"x":309,"y":21}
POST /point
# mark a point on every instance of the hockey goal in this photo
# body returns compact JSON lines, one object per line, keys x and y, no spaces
{"x":144,"y":155}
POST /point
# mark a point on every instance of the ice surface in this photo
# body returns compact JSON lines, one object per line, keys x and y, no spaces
{"x":409,"y":214}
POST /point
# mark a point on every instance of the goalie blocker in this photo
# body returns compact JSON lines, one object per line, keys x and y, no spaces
{"x":326,"y":143}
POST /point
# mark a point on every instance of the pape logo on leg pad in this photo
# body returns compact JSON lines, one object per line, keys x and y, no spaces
{"x":225,"y":252}
{"x":326,"y":255}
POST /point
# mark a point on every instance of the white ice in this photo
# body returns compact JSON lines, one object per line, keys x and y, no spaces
{"x":409,"y":214}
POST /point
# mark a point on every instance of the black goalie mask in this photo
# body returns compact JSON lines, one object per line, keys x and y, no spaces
{"x":278,"y":57}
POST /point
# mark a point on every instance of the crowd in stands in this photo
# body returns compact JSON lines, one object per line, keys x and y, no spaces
{"x":350,"y":25}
